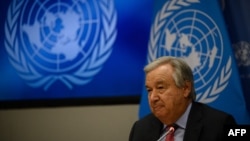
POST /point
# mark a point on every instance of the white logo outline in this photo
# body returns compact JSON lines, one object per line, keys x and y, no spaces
{"x":84,"y":74}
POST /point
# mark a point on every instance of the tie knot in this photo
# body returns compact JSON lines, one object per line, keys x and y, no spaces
{"x":173,"y":127}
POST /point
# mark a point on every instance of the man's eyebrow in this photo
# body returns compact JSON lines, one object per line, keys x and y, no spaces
{"x":159,"y":82}
{"x":156,"y":83}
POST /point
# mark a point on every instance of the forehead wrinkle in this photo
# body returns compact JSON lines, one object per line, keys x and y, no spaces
{"x":159,"y":81}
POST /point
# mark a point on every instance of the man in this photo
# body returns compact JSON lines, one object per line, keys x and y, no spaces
{"x":171,"y":95}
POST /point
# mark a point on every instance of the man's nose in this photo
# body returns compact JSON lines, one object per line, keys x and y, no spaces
{"x":154,"y":95}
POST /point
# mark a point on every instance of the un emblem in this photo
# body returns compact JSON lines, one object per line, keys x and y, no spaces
{"x":67,"y":41}
{"x":242,"y":53}
{"x":194,"y":36}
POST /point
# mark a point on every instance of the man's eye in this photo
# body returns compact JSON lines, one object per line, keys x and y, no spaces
{"x":149,"y":90}
{"x":160,"y":87}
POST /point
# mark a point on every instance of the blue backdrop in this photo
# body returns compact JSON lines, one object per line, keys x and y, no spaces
{"x":72,"y":49}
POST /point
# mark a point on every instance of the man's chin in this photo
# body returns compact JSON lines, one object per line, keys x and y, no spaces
{"x":158,"y":112}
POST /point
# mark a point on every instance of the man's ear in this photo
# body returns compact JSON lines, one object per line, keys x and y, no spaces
{"x":187,"y":88}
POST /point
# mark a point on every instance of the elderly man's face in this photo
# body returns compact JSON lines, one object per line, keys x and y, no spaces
{"x":166,"y":100}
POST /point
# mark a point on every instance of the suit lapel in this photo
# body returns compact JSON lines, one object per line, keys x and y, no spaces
{"x":155,"y":130}
{"x":194,"y":124}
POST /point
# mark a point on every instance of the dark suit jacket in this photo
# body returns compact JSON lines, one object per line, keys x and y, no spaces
{"x":204,"y":124}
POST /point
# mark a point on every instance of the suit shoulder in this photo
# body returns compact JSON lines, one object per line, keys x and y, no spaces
{"x":213,"y":113}
{"x":210,"y":109}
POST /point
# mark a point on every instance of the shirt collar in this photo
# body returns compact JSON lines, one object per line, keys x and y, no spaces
{"x":182,"y":121}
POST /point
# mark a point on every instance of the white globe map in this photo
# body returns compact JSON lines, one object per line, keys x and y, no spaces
{"x":181,"y":37}
{"x":66,"y":42}
{"x":60,"y":36}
